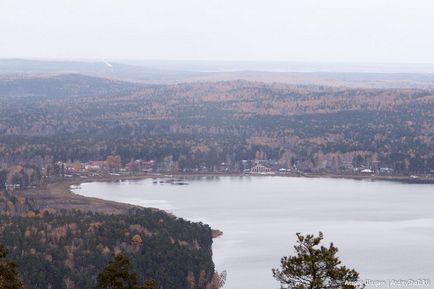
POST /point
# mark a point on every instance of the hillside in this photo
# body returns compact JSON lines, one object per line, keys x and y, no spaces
{"x":66,"y":250}
{"x":199,"y":126}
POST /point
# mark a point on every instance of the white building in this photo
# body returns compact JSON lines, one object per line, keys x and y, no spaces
{"x":260,"y":169}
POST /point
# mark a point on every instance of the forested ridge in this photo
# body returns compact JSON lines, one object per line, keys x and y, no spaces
{"x":67,"y":249}
{"x":198,"y":126}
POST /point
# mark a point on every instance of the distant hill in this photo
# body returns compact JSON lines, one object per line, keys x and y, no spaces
{"x":336,"y":79}
{"x":59,"y":86}
{"x":183,"y":71}
{"x":100,"y":69}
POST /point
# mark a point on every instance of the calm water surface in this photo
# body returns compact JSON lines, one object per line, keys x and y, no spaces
{"x":383,"y":229}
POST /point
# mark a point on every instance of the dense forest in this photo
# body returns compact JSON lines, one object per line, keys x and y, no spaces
{"x":66,"y":250}
{"x":199,"y":126}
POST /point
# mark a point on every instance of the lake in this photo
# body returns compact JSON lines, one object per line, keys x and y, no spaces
{"x":385,"y":230}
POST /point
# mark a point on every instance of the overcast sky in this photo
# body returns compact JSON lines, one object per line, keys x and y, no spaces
{"x":291,"y":30}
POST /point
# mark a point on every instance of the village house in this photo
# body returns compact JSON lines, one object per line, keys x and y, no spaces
{"x":95,"y":166}
{"x":385,"y":170}
{"x":260,"y":169}
{"x":367,"y":171}
{"x":11,"y":187}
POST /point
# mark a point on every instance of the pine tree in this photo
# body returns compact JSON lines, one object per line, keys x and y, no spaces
{"x":315,"y":267}
{"x":116,"y":275}
{"x":9,"y":277}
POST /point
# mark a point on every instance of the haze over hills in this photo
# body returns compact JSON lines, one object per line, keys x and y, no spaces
{"x":60,"y":86}
{"x":283,"y":66}
{"x":169,"y":72}
{"x":100,"y":68}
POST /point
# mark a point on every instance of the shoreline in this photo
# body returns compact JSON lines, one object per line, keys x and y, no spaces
{"x":399,"y":179}
{"x":57,"y":194}
{"x":388,"y":178}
